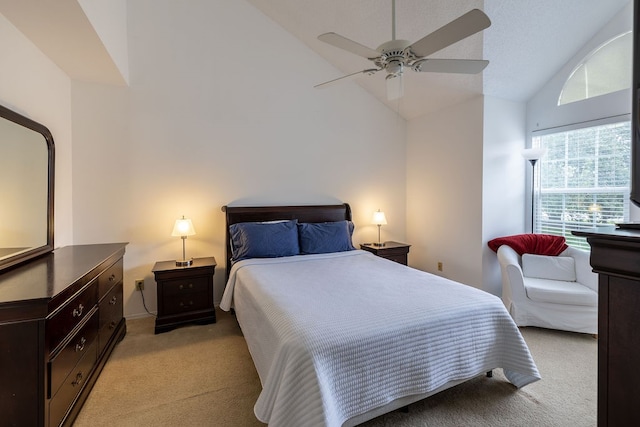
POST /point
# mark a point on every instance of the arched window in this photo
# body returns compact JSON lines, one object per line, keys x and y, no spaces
{"x":606,"y":69}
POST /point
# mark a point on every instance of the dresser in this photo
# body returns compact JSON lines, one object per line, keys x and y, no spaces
{"x":185,"y":293}
{"x":615,"y":256}
{"x":61,"y":316}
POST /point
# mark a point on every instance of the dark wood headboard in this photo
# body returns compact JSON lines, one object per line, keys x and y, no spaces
{"x":309,"y":213}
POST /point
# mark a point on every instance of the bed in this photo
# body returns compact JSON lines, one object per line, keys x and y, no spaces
{"x":340,"y":337}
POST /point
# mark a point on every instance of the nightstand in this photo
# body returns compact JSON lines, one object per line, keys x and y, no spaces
{"x":394,"y":251}
{"x":185,"y":294}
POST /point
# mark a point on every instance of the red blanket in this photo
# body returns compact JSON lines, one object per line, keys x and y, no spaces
{"x":538,"y":244}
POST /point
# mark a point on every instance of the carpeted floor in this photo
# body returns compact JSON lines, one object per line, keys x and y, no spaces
{"x":204,"y":376}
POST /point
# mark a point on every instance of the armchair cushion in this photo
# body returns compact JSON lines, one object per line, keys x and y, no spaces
{"x":549,"y":267}
{"x":560,"y":292}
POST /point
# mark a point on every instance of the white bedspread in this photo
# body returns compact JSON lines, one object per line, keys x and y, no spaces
{"x":335,"y":335}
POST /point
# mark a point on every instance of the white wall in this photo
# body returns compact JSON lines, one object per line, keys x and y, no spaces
{"x":32,"y":85}
{"x":503,"y":186}
{"x":221,"y":110}
{"x":444,"y":191}
{"x":109,"y":19}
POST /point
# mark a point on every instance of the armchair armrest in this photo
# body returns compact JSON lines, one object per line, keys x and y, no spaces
{"x":512,"y":278}
{"x":584,"y":271}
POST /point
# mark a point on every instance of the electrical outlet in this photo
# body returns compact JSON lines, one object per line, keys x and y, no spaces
{"x":439,"y":266}
{"x":140,"y":285}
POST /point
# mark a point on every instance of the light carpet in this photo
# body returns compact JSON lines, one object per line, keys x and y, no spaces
{"x":204,"y":376}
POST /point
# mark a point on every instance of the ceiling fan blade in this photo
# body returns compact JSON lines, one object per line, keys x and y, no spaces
{"x":460,"y":66}
{"x":456,"y":30}
{"x":395,"y":87}
{"x":348,"y":45}
{"x":368,"y":72}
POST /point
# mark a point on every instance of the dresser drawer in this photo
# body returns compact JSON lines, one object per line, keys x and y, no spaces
{"x":110,"y":314}
{"x":110,"y":277}
{"x":71,"y":386}
{"x":62,"y":364}
{"x":192,"y":301}
{"x":71,"y":315}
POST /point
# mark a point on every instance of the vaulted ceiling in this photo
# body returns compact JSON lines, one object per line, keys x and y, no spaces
{"x":527,"y":43}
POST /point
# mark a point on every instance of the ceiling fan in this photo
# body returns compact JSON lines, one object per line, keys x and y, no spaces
{"x":395,"y":56}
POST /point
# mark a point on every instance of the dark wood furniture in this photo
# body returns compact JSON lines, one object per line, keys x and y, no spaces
{"x":615,"y":256}
{"x":394,"y":251}
{"x":28,"y":195}
{"x":60,"y":318}
{"x":185,"y":294}
{"x":310,"y":213}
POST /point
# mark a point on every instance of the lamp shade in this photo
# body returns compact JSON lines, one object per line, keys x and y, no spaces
{"x":379,"y":218}
{"x":533,"y":153}
{"x":183,"y":227}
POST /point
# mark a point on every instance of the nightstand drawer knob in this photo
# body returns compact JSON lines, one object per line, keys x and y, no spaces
{"x":189,"y":304}
{"x":190,"y":286}
{"x":113,"y":301}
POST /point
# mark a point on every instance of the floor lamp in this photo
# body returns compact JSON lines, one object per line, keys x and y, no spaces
{"x":533,"y":155}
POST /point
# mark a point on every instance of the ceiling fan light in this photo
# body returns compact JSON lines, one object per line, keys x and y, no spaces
{"x":395,"y":86}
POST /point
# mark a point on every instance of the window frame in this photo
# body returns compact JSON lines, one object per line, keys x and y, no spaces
{"x":575,"y":241}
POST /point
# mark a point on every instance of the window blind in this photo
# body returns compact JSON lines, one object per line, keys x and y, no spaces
{"x":584,"y":178}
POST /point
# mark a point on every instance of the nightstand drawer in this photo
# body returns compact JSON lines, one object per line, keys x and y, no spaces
{"x":400,"y":258}
{"x":393,"y":251}
{"x":183,"y":303}
{"x":185,"y":286}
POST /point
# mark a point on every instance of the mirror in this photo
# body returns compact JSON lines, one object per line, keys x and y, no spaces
{"x":26,"y":189}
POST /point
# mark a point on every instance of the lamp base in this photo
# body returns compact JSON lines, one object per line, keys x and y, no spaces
{"x":379,"y":244}
{"x":184,"y":262}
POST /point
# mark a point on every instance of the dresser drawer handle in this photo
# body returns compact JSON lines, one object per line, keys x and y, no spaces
{"x":182,"y":304}
{"x":112,"y":277}
{"x":77,"y":312}
{"x":113,"y":300}
{"x":190,"y":286}
{"x":112,"y":325}
{"x":78,"y":379}
{"x":80,"y":345}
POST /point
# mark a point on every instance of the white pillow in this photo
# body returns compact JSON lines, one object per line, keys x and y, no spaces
{"x":549,"y":267}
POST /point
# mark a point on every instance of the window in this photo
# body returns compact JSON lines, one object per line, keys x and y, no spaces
{"x":583,"y":178}
{"x":607,"y":69}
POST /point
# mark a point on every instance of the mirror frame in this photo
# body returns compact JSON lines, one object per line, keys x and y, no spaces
{"x":48,"y":247}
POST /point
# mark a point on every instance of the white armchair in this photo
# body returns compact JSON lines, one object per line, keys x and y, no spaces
{"x":544,"y":302}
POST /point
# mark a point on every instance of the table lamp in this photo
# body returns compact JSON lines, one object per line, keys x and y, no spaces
{"x":183,"y":228}
{"x":379,"y":219}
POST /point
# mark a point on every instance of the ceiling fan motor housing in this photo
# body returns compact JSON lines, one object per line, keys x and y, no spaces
{"x":394,"y":55}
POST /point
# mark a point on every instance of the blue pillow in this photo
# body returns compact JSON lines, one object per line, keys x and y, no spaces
{"x":324,"y":237}
{"x":263,"y":239}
